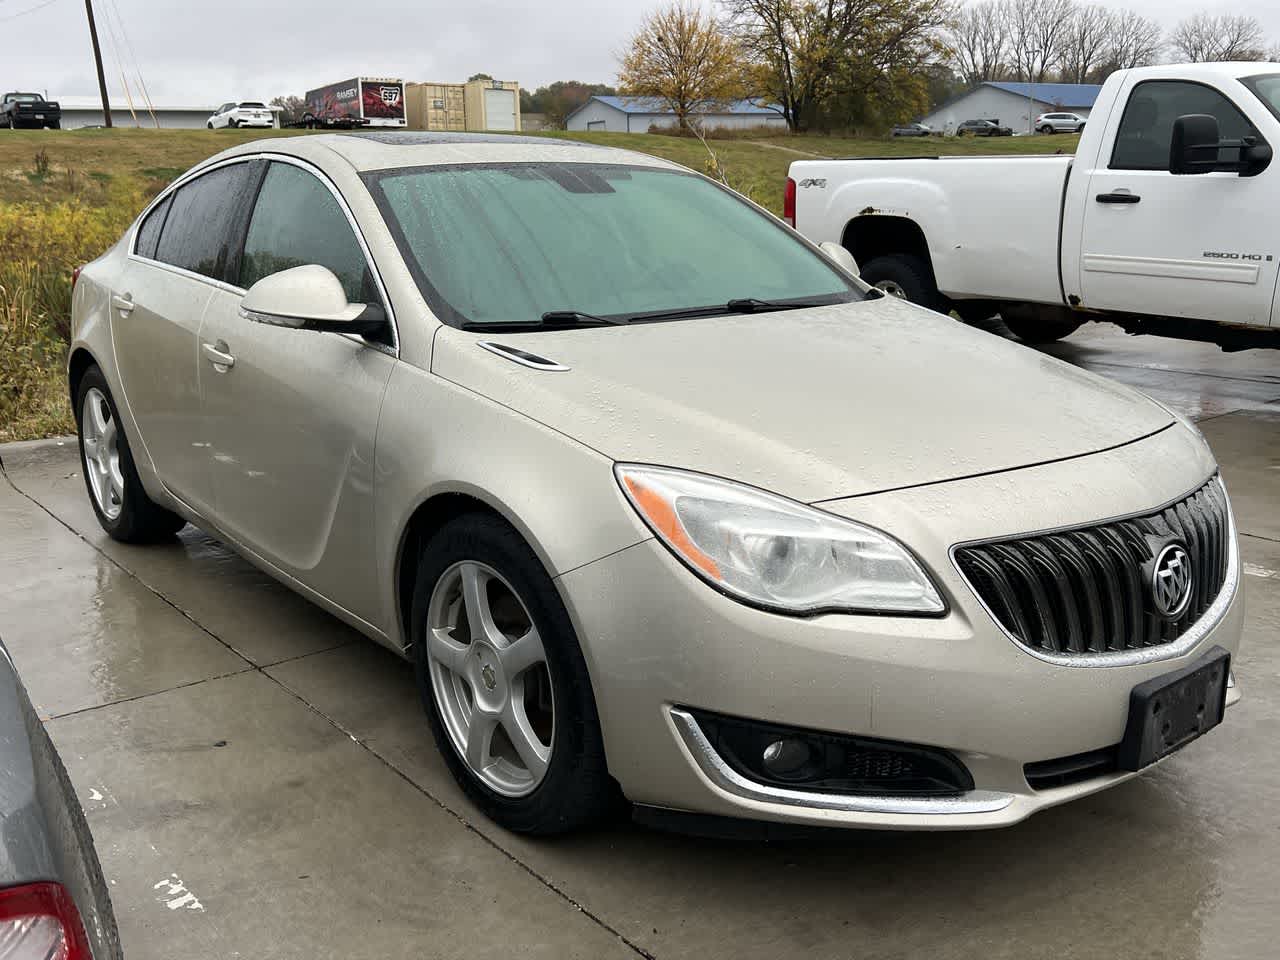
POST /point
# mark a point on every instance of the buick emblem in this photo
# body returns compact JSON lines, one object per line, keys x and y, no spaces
{"x":1171,"y":581}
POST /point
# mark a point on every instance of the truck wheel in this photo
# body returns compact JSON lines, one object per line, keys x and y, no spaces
{"x":1033,"y":330}
{"x":905,"y":276}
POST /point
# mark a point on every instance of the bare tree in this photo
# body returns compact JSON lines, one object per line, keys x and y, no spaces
{"x":1084,"y":42}
{"x":1036,"y":29}
{"x":979,"y":42}
{"x":1135,"y":42}
{"x":1228,"y":37}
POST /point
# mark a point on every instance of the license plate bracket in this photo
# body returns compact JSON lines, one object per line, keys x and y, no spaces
{"x":1169,"y":711}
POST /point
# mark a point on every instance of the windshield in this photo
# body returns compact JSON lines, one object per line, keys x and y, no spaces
{"x":506,"y":243}
{"x":1267,"y":89}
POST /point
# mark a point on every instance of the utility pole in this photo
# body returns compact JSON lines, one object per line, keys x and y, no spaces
{"x":97,"y":57}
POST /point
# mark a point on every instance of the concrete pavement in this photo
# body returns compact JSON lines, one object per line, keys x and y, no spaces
{"x":260,"y":779}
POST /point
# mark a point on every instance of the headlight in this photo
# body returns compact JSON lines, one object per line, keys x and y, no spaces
{"x":774,"y":552}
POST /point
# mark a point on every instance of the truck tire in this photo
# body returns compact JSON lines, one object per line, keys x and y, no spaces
{"x":1032,"y":330}
{"x":56,"y":125}
{"x":906,"y":276}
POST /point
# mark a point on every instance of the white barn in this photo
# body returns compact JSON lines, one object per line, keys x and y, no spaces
{"x":638,"y":114}
{"x":1008,"y":102}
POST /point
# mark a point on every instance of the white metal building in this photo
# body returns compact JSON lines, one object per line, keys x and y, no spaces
{"x":638,"y":114}
{"x":87,"y":112}
{"x":1014,"y":103}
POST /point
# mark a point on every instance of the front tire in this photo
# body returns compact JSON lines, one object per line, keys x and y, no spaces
{"x":504,"y":682}
{"x":116,"y":493}
{"x":210,"y":124}
{"x":905,"y":276}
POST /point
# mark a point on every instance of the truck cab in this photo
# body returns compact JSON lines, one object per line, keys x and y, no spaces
{"x":1161,"y":222}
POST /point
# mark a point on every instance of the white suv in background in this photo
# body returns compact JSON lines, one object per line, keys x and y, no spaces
{"x":247,"y":113}
{"x":1059,"y":123}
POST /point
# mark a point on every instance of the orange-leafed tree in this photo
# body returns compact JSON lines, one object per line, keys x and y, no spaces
{"x":682,"y":56}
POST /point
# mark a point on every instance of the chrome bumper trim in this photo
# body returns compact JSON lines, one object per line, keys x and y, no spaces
{"x":730,"y":781}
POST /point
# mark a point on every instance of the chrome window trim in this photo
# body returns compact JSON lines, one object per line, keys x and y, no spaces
{"x":132,"y":254}
{"x":1124,"y":658}
{"x":730,"y":781}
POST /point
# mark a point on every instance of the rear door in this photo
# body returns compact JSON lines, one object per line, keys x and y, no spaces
{"x":293,"y":417}
{"x":182,"y":251}
{"x":1199,"y":246}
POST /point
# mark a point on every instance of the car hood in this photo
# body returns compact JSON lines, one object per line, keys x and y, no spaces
{"x":813,"y":404}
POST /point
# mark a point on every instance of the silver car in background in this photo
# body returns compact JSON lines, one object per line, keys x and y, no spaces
{"x":1059,"y":123}
{"x":54,"y":903}
{"x":661,"y":500}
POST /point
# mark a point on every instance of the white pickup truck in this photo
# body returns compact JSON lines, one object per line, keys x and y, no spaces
{"x":1164,"y":221}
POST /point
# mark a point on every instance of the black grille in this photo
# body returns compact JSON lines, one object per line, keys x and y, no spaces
{"x":1088,"y":590}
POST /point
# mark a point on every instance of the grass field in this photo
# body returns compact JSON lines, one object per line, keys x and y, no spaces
{"x":65,"y":196}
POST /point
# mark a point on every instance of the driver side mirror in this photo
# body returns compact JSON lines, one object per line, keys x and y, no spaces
{"x":840,"y":256}
{"x":1195,"y":145}
{"x":309,"y":298}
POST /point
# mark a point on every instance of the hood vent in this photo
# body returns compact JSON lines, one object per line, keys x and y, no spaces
{"x":522,"y":357}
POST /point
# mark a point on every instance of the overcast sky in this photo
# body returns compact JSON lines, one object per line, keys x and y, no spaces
{"x":199,"y":52}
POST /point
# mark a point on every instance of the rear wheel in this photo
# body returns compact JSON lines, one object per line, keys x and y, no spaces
{"x":232,"y":123}
{"x":1046,"y":129}
{"x":905,"y":276}
{"x":1034,"y":330}
{"x":116,"y":493}
{"x":504,"y":682}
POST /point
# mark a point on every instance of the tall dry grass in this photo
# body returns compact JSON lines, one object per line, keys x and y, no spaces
{"x":40,"y":246}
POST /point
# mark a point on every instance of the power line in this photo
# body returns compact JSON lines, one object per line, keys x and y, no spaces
{"x":23,"y":13}
{"x":137,"y":68}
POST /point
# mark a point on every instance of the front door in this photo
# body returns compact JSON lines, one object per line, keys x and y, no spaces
{"x":179,"y":260}
{"x":1198,"y":246}
{"x":294,"y":414}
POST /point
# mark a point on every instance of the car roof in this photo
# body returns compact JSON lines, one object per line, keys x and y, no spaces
{"x":381,"y":150}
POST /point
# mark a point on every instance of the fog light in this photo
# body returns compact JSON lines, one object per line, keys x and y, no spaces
{"x":786,"y":758}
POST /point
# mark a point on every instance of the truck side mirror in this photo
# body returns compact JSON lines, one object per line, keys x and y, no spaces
{"x":1194,"y":146}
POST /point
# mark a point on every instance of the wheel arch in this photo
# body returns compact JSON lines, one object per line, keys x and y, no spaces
{"x":77,"y":365}
{"x":428,"y":517}
{"x":875,"y":235}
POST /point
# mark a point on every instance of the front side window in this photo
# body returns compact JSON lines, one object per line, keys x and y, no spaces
{"x":205,"y":220}
{"x":297,"y":221}
{"x":505,"y":243}
{"x":1146,"y":128}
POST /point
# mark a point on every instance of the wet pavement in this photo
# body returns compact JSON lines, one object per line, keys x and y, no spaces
{"x":261,"y":782}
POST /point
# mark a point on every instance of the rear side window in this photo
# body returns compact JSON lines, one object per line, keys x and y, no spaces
{"x":206,"y":221}
{"x":149,"y":232}
{"x":297,"y":221}
{"x":1146,"y":129}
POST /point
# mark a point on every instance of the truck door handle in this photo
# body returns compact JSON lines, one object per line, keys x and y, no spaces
{"x":124,"y":304}
{"x":1117,"y":197}
{"x":218,"y":354}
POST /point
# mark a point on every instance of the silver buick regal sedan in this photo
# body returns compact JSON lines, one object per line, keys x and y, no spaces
{"x":661,"y":501}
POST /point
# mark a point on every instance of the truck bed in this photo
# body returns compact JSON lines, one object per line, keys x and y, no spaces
{"x":983,"y":243}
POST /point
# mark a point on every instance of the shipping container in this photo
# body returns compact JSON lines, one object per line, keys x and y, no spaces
{"x":359,"y":102}
{"x":493,"y":105}
{"x":435,"y":106}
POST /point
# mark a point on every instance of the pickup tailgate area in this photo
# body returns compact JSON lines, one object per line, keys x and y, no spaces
{"x":989,"y":225}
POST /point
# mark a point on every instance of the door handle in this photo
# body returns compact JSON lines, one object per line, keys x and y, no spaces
{"x":1117,"y":197}
{"x":218,"y":355}
{"x":124,"y":304}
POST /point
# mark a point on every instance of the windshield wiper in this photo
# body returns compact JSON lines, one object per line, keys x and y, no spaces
{"x":552,"y":319}
{"x":756,"y":305}
{"x":742,"y":305}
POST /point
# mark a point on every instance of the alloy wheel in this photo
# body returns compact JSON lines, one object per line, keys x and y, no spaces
{"x":101,"y":439}
{"x":490,"y":678}
{"x":892,"y":288}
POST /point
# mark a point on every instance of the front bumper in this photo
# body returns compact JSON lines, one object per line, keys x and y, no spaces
{"x":658,"y":639}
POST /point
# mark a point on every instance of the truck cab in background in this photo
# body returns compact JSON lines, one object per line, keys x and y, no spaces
{"x":1163,"y":221}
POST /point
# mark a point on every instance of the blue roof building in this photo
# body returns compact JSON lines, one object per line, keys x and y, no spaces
{"x":1014,"y":103}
